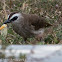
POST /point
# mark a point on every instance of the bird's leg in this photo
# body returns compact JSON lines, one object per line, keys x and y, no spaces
{"x":39,"y":37}
{"x":24,"y":41}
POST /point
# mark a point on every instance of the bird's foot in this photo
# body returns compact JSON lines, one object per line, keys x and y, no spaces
{"x":24,"y":42}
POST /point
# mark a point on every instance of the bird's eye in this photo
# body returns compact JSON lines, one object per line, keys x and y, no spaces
{"x":14,"y":18}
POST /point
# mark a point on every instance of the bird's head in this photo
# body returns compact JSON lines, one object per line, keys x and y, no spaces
{"x":13,"y":17}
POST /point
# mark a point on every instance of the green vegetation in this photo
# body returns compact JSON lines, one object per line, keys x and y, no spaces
{"x":51,"y":9}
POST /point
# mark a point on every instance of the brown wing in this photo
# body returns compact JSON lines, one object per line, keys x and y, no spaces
{"x":36,"y":21}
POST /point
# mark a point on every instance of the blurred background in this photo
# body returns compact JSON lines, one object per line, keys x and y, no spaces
{"x":50,"y":9}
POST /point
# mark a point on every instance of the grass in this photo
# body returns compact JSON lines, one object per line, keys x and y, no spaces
{"x":51,"y":9}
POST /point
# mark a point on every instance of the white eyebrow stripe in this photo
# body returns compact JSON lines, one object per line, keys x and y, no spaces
{"x":17,"y":14}
{"x":8,"y":16}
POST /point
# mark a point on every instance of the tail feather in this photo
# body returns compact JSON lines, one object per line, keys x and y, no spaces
{"x":48,"y":25}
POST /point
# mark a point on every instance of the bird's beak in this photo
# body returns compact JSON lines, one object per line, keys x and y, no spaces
{"x":7,"y":21}
{"x":3,"y":26}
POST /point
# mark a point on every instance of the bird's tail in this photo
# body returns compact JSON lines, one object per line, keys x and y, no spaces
{"x":48,"y":25}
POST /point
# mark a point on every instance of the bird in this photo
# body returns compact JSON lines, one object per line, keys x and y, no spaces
{"x":27,"y":25}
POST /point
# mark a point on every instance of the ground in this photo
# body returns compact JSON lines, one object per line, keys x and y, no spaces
{"x":50,"y":9}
